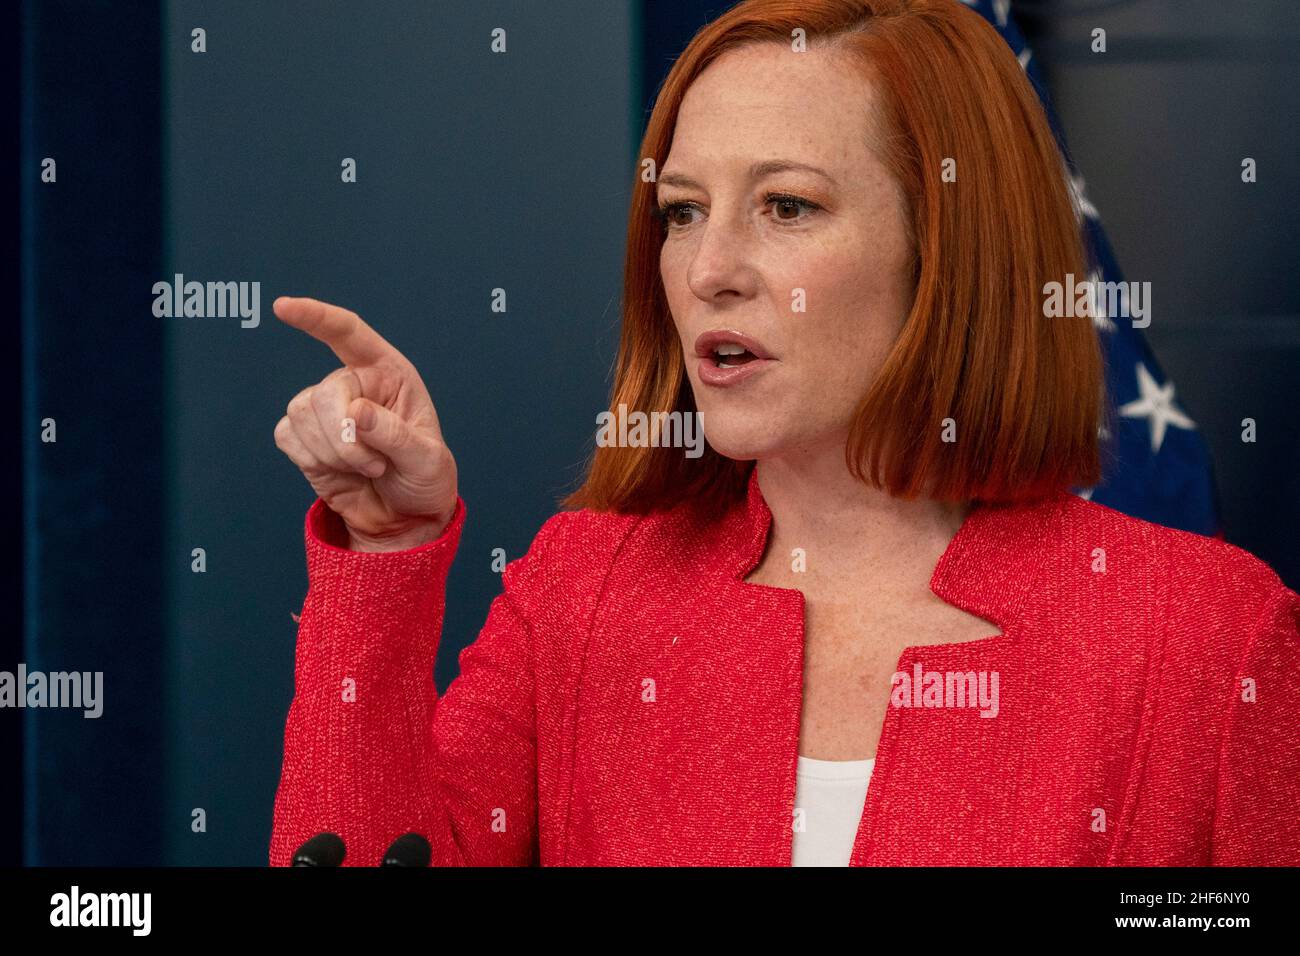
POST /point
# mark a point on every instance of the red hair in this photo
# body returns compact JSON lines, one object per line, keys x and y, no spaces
{"x":1026,"y":392}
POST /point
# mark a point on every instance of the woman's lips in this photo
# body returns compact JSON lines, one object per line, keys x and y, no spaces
{"x":709,"y":341}
{"x":743,"y":357}
{"x":711,"y":374}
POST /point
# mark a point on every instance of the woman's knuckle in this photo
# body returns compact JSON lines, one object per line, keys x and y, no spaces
{"x":320,"y":398}
{"x":299,"y":404}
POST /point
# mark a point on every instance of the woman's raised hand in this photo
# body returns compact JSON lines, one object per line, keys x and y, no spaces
{"x":367,"y":436}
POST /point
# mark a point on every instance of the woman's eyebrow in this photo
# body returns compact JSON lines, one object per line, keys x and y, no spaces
{"x":769,"y":167}
{"x":759,"y":170}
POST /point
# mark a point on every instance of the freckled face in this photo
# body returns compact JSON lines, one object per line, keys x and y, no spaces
{"x":746,"y":240}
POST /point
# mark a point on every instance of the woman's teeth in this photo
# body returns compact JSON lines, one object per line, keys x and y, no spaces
{"x":738,"y":355}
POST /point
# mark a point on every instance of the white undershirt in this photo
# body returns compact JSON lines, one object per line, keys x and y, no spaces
{"x":831,"y":794}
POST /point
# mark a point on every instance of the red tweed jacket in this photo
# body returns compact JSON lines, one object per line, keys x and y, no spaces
{"x":631,"y":700}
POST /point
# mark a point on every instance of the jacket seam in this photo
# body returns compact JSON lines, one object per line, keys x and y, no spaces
{"x":546,"y":547}
{"x":1147,"y":719}
{"x":543,"y":548}
{"x":507,"y":718}
{"x":573,"y":704}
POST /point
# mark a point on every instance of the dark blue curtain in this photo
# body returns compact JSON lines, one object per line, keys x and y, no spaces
{"x":93,"y":500}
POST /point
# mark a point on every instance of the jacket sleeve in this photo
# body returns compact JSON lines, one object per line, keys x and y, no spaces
{"x":370,"y":750}
{"x":1257,"y":805}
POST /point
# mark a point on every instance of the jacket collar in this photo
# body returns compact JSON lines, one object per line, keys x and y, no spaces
{"x":987,"y":569}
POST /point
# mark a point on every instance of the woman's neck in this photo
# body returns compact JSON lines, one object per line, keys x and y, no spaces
{"x":843,"y":524}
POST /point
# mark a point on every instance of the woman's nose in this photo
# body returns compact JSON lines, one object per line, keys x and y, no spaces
{"x":722,"y":261}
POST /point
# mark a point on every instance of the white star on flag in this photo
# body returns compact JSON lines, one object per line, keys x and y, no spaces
{"x":1083,"y":205}
{"x":1157,"y":406}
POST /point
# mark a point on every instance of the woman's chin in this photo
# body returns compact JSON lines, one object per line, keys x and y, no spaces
{"x":740,"y":445}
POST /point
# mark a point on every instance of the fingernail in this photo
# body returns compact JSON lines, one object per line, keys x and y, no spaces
{"x":373,"y":469}
{"x":366,"y":418}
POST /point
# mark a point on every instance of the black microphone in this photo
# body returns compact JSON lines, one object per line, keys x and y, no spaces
{"x":324,"y":849}
{"x":409,"y":849}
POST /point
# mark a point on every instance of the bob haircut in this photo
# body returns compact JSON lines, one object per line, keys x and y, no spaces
{"x":1025,"y":392}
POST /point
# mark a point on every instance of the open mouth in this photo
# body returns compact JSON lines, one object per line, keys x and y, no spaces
{"x":730,"y":355}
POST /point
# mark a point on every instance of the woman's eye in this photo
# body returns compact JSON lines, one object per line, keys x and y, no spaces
{"x":790,"y":208}
{"x":786,"y":208}
{"x":671,"y":214}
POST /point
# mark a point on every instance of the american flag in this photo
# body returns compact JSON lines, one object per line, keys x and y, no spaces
{"x":1160,"y":466}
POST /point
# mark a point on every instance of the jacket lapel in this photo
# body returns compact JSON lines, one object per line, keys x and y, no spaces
{"x":691,"y":697}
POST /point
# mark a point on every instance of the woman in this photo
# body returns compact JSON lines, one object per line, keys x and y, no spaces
{"x":875,"y":574}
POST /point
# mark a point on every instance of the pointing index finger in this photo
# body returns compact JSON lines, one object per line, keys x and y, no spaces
{"x":347,"y":335}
